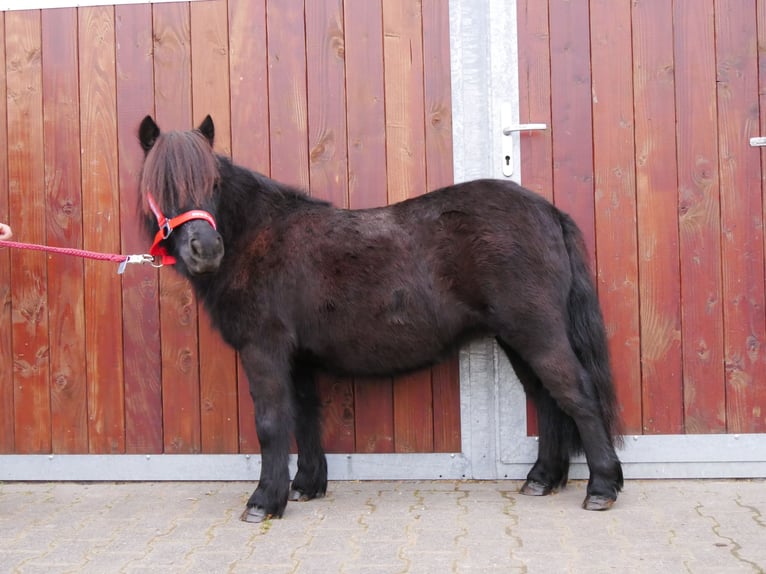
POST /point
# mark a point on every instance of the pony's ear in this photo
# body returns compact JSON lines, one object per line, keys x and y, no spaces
{"x":148,"y":132}
{"x":207,"y":129}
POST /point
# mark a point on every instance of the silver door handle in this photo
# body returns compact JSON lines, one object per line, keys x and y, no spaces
{"x":506,"y":118}
{"x":758,"y":142}
{"x":523,"y":128}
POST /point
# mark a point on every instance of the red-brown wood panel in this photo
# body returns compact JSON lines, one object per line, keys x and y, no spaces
{"x":287,"y":92}
{"x":761,"y":126}
{"x":250,"y":141}
{"x":367,"y":184}
{"x":328,"y":175}
{"x":29,"y":285}
{"x":742,"y":249}
{"x":130,"y":363}
{"x":615,"y":198}
{"x":101,"y":216}
{"x":140,"y":283}
{"x":657,"y":214}
{"x":535,"y":107}
{"x":699,"y":217}
{"x":405,"y":165}
{"x":178,"y":307}
{"x":439,"y":173}
{"x":6,"y":350}
{"x":571,"y":115}
{"x":66,"y":313}
{"x":218,"y":367}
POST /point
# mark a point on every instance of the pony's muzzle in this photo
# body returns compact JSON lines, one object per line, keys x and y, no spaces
{"x":203,"y":250}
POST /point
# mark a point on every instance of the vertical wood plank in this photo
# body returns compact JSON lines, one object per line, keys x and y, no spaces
{"x":615,"y":200}
{"x":140,"y":286}
{"x":29,"y":286}
{"x":66,"y":315}
{"x":218,"y":367}
{"x":6,"y":348}
{"x":761,"y":29}
{"x":250,"y":139}
{"x":699,"y":217}
{"x":535,"y":96}
{"x":328,"y":175}
{"x":657,"y":211}
{"x":367,"y":184}
{"x":571,"y":116}
{"x":405,"y":162}
{"x":287,"y":92}
{"x":101,"y":213}
{"x":536,"y":147}
{"x":178,"y":308}
{"x":445,"y":380}
{"x":403,"y":68}
{"x":742,"y":248}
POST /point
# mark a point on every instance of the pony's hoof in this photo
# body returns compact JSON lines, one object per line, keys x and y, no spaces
{"x":596,"y":502}
{"x":299,"y":496}
{"x":534,"y":488}
{"x":254,"y":514}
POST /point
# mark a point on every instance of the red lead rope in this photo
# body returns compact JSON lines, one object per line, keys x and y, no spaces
{"x":157,"y":256}
{"x":123,"y":260}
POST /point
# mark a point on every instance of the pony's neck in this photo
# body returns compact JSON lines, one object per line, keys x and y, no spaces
{"x":250,"y":200}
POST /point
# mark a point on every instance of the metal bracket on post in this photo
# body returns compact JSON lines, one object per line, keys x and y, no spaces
{"x":758,"y":142}
{"x":508,"y":129}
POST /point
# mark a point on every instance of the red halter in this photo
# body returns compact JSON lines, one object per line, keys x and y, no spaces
{"x":168,"y":225}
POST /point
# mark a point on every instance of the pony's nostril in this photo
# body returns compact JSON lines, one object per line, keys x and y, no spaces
{"x":196,"y":247}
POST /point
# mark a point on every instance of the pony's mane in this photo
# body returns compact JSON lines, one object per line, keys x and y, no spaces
{"x":180,"y":170}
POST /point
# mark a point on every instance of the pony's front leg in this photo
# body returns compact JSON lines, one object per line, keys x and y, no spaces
{"x":311,"y":479}
{"x":271,"y":393}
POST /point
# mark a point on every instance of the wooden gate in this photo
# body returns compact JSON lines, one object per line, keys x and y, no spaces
{"x":651,"y":106}
{"x":350,"y":101}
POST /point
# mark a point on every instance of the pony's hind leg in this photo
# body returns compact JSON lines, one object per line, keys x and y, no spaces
{"x":557,"y":433}
{"x":311,"y":479}
{"x":552,"y":359}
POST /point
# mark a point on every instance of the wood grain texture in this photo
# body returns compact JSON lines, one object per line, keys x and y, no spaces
{"x":367,"y":185}
{"x":615,"y":198}
{"x":6,"y":347}
{"x":406,"y":174}
{"x":140,"y":284}
{"x":535,"y":96}
{"x":405,"y":113}
{"x":742,"y":222}
{"x":571,"y":115}
{"x":328,"y":175}
{"x":101,"y":217}
{"x":437,"y":90}
{"x":250,"y":140}
{"x":178,"y":307}
{"x":657,"y":212}
{"x":66,"y":315}
{"x":288,"y":110}
{"x":26,"y":188}
{"x":218,"y":367}
{"x":536,"y":147}
{"x":699,"y":217}
{"x":761,"y":27}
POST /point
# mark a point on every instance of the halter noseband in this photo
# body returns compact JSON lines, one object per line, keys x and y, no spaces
{"x":168,"y":225}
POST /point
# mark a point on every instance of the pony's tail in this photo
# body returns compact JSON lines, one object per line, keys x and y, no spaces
{"x":586,"y":330}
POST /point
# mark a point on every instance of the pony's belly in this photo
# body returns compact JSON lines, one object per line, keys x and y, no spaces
{"x":381,"y":357}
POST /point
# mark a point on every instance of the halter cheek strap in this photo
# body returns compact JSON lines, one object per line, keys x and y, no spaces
{"x":168,"y":225}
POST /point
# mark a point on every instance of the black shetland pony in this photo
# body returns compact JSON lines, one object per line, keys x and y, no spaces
{"x":298,"y":286}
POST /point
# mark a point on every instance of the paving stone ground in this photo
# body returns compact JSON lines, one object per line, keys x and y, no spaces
{"x":697,"y":526}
